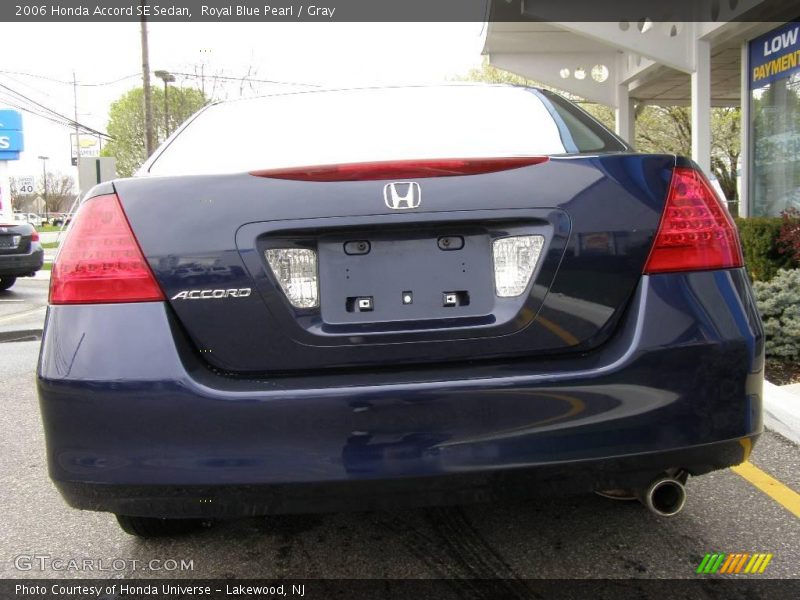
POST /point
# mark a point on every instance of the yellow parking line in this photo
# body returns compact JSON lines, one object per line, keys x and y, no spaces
{"x":782,"y":494}
{"x":560,"y":332}
{"x":21,"y":314}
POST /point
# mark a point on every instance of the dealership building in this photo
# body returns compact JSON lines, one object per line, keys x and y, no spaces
{"x":723,"y":58}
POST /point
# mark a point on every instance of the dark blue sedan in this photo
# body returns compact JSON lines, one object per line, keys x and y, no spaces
{"x":380,"y":297}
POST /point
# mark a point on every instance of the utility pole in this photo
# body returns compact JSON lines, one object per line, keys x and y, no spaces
{"x":77,"y":131}
{"x":167,"y":78}
{"x":204,"y":52}
{"x":148,"y":108}
{"x":44,"y":186}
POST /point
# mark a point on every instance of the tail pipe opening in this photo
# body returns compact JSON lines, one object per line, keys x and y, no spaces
{"x":665,"y":496}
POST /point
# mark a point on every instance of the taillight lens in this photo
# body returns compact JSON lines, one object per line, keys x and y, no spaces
{"x":100,"y":260}
{"x":35,"y":236}
{"x":515,"y":259}
{"x":696,"y":232}
{"x":296,"y":272}
{"x":401,"y":169}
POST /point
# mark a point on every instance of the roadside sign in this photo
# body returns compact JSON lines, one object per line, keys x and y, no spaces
{"x":11,"y":144}
{"x":88,"y":145}
{"x":25,"y":185}
{"x":96,"y":170}
{"x":774,"y":55}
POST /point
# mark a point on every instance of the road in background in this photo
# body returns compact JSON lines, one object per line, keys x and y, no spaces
{"x":22,"y":309}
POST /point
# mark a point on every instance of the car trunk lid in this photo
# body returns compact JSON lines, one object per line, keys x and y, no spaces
{"x":207,"y":240}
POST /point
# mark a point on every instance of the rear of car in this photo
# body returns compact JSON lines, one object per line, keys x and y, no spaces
{"x":376,"y":297}
{"x":21,"y":253}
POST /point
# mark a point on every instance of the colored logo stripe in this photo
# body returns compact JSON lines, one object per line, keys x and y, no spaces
{"x":711,"y":563}
{"x":738,"y":562}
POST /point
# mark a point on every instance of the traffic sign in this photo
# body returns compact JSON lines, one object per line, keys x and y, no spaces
{"x":25,"y":185}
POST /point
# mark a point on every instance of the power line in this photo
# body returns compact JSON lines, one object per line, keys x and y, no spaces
{"x":99,"y":84}
{"x":245,"y":78}
{"x":28,"y":86}
{"x":36,"y":108}
{"x":14,"y":104}
{"x":53,"y":117}
{"x":132,"y":75}
{"x":22,"y":102}
{"x":17,"y":103}
{"x":36,"y":114}
{"x":32,"y":101}
{"x":50,"y":111}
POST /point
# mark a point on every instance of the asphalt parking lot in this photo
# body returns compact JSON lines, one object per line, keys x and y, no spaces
{"x":572,"y":537}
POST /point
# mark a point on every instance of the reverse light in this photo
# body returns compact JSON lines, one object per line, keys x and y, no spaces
{"x":100,"y":260}
{"x":296,"y":272}
{"x":696,"y":233}
{"x":515,"y":259}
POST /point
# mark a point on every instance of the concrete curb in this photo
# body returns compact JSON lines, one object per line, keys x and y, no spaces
{"x":782,"y":412}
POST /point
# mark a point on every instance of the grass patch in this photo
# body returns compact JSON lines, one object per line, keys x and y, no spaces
{"x":48,"y":229}
{"x":50,"y":245}
{"x":48,"y":266}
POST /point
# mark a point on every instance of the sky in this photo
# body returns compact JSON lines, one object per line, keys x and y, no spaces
{"x":324,"y":54}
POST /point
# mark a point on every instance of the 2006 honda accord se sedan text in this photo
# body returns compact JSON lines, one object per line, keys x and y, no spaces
{"x":377,"y":297}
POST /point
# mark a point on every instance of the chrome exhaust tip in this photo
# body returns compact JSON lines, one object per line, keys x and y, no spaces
{"x":664,"y":497}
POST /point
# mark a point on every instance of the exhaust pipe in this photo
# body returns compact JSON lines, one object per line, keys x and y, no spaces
{"x":665,"y":496}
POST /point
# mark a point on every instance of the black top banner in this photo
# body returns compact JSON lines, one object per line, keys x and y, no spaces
{"x":397,"y":10}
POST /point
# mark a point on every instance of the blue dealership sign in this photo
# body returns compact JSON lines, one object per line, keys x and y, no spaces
{"x":11,"y":140}
{"x":775,"y":55}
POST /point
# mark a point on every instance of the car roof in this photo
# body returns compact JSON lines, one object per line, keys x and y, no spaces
{"x":429,"y":86}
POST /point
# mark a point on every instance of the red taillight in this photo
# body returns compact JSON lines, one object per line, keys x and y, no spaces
{"x":401,"y":169}
{"x":696,"y":233}
{"x":35,"y":236}
{"x":100,"y":260}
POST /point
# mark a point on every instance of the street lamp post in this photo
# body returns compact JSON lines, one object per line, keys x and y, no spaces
{"x":167,"y":78}
{"x":44,"y":186}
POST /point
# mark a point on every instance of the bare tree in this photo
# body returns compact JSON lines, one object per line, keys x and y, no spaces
{"x":60,"y":192}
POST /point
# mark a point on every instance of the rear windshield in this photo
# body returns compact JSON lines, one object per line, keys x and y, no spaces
{"x":347,"y":126}
{"x":587,"y":134}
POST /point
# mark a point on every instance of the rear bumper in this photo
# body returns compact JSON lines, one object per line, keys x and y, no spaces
{"x":19,"y":265}
{"x":136,"y":424}
{"x":221,"y":501}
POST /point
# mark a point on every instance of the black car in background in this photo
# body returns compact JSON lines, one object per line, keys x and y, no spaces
{"x":21,"y":253}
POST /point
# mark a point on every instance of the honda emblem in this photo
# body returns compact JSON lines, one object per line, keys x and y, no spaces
{"x":401,"y":195}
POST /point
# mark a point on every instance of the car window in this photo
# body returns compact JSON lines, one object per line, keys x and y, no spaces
{"x":587,"y":134}
{"x":318,"y":128}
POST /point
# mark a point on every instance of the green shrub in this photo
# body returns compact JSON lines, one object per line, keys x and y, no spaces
{"x":762,"y":255}
{"x":779,"y":304}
